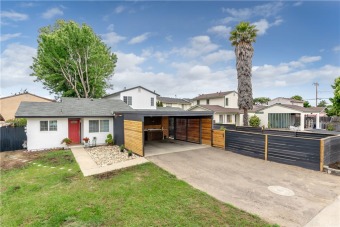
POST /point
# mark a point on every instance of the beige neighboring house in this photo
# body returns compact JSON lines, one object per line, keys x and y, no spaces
{"x":10,"y":104}
{"x":184,"y":104}
{"x":285,"y":101}
{"x":223,"y":104}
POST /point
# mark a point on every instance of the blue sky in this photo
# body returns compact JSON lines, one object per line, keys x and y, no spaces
{"x":182,"y":48}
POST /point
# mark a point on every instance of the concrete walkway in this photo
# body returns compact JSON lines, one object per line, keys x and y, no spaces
{"x":88,"y":167}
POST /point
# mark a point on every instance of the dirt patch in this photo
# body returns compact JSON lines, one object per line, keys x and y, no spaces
{"x":335,"y":165}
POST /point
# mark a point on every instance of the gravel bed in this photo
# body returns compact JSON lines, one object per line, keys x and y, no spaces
{"x":108,"y":155}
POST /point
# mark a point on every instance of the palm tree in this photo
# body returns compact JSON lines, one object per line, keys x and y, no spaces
{"x":242,"y":38}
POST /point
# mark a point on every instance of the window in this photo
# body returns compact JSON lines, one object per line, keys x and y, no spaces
{"x":104,"y":125}
{"x":208,"y":101}
{"x":49,"y":125}
{"x":221,"y":119}
{"x":99,"y":125}
{"x":127,"y":100}
{"x":43,"y":125}
{"x":198,"y":102}
{"x":93,"y":126}
{"x":226,"y":102}
{"x":53,"y":126}
{"x":229,"y":119}
{"x":152,"y":101}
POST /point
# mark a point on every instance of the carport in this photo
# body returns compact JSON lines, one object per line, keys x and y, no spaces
{"x":162,"y":129}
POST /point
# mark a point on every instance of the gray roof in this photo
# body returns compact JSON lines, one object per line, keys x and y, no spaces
{"x":72,"y":107}
{"x":213,"y":95}
{"x":297,"y":108}
{"x":173,"y":100}
{"x":118,"y":92}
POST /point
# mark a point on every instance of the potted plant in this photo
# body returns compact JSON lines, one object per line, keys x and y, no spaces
{"x":86,"y":141}
{"x":109,"y":140}
{"x":66,"y":141}
{"x":121,"y":148}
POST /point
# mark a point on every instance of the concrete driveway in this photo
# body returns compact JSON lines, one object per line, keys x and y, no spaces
{"x":243,"y":182}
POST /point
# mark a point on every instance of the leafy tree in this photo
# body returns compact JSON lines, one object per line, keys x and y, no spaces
{"x":254,"y":121}
{"x":72,"y":61}
{"x":159,"y":104}
{"x":297,"y":97}
{"x":306,"y":104}
{"x":18,"y":122}
{"x":334,"y":110}
{"x":322,"y":103}
{"x":242,"y":38}
{"x":261,"y":100}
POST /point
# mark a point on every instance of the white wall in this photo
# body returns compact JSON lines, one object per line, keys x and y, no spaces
{"x":39,"y":140}
{"x":141,"y":99}
{"x":284,"y":101}
{"x":232,"y":99}
{"x":101,"y":136}
{"x":177,"y":105}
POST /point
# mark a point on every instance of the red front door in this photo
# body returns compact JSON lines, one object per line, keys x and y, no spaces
{"x":74,"y":130}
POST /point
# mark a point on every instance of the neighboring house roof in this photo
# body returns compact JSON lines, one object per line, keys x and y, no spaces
{"x":213,"y":95}
{"x":27,"y":93}
{"x":297,"y":108}
{"x":173,"y":100}
{"x":169,"y":108}
{"x":288,"y":99}
{"x":118,"y":92}
{"x":217,"y":109}
{"x":72,"y":107}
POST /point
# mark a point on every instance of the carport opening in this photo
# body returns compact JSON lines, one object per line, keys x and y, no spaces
{"x":174,"y":134}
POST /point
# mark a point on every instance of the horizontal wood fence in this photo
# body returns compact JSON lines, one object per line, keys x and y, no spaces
{"x":250,"y":144}
{"x":226,"y":126}
{"x":307,"y":150}
{"x":12,"y":138}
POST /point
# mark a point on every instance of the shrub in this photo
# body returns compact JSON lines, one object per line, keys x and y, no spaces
{"x":330,"y":127}
{"x":122,"y":147}
{"x":67,"y":141}
{"x":254,"y":121}
{"x":109,"y":140}
{"x":129,"y":153}
{"x":18,"y":122}
{"x":222,"y":128}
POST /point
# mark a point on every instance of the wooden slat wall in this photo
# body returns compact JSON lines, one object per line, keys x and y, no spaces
{"x":218,"y":139}
{"x":206,"y":131}
{"x":165,"y":125}
{"x":152,"y":127}
{"x":133,"y":136}
{"x":193,"y":130}
{"x":181,"y":129}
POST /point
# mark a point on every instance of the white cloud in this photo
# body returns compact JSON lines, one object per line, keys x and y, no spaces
{"x":6,"y":37}
{"x":265,"y":10}
{"x":220,"y":30}
{"x":139,"y":39}
{"x":219,"y":56}
{"x":16,"y":60}
{"x":168,"y":38}
{"x":309,"y":59}
{"x":119,"y":9}
{"x":198,"y":46}
{"x":128,"y":62}
{"x":336,"y":49}
{"x":298,"y":3}
{"x":110,"y":27}
{"x":263,"y":25}
{"x":53,"y":12}
{"x":14,"y":16}
{"x":112,"y":38}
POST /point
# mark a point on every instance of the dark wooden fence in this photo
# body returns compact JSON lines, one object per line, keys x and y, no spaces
{"x":331,"y":150}
{"x":303,"y":149}
{"x":12,"y":138}
{"x":226,"y":126}
{"x":251,"y":144}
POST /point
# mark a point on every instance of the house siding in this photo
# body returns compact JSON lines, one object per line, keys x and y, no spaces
{"x":141,"y":98}
{"x":39,"y":140}
{"x":101,"y":136}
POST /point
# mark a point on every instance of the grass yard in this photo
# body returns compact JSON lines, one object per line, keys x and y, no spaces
{"x":143,"y":195}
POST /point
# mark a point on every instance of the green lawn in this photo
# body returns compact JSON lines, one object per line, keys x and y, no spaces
{"x":143,"y":195}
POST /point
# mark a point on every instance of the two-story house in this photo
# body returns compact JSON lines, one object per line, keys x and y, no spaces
{"x":223,"y":104}
{"x":136,"y":97}
{"x":184,"y":104}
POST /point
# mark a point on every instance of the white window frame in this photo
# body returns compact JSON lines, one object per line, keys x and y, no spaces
{"x":50,"y":126}
{"x":127,"y":100}
{"x":219,"y":118}
{"x":100,"y":126}
{"x":152,"y":101}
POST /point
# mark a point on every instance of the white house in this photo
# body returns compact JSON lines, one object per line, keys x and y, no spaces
{"x":285,"y":101}
{"x":184,"y":104}
{"x":136,"y":97}
{"x":49,"y":123}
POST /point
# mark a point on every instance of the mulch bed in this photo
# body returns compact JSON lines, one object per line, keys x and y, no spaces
{"x":335,"y":165}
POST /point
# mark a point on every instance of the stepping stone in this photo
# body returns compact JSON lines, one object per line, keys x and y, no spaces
{"x":52,"y":167}
{"x":62,"y":168}
{"x":39,"y":165}
{"x":34,"y":163}
{"x":45,"y":166}
{"x":24,"y":160}
{"x":69,"y":169}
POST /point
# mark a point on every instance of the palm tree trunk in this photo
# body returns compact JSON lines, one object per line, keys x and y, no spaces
{"x":245,"y":117}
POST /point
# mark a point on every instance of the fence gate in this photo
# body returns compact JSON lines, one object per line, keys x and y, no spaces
{"x":218,"y":138}
{"x":12,"y":138}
